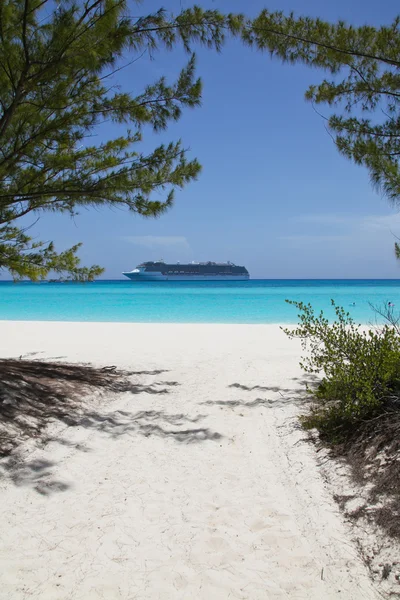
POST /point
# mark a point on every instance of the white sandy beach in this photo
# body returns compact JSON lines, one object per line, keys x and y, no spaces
{"x":198,"y":486}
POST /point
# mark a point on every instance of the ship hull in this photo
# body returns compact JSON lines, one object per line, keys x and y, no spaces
{"x":161,"y":277}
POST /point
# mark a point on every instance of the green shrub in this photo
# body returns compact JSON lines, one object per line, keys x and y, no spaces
{"x":360,"y":368}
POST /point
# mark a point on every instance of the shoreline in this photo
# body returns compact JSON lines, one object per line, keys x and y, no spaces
{"x":151,"y":323}
{"x":164,"y":323}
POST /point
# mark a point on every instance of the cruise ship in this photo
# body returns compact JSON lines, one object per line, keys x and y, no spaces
{"x":202,"y":271}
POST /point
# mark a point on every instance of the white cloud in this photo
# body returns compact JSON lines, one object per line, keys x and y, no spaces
{"x":157,"y":241}
{"x":337,"y":245}
{"x":323,"y":219}
{"x":313,"y":238}
{"x":371,"y":236}
{"x":330,"y":227}
{"x":381,"y":223}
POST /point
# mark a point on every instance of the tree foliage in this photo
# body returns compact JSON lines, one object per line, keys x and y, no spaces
{"x":363,"y":88}
{"x":57,"y":63}
{"x":360,"y":369}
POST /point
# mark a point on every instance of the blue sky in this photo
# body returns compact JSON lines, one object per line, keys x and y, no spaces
{"x":274,"y":193}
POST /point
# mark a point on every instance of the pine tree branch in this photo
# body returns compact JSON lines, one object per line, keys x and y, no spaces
{"x":344,"y":51}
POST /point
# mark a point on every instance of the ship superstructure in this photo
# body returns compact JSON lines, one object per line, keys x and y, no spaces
{"x":201,"y":271}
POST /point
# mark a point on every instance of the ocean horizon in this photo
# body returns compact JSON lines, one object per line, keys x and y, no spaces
{"x":253,"y":301}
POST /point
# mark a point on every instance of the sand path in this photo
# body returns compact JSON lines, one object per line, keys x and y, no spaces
{"x":198,"y":486}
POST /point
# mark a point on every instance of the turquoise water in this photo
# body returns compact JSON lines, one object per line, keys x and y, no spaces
{"x":255,"y":301}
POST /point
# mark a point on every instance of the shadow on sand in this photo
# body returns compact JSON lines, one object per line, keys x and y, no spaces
{"x":283,"y":395}
{"x":35,"y":393}
{"x":149,"y":423}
